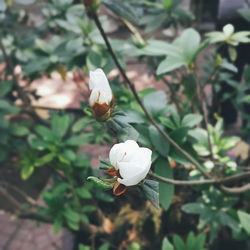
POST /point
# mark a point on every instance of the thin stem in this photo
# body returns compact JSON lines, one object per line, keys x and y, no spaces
{"x":202,"y":99}
{"x":228,"y":179}
{"x":147,"y":114}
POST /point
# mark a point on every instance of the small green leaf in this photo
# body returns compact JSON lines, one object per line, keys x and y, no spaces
{"x":178,"y":243}
{"x":83,"y":193}
{"x":27,"y":171}
{"x":162,"y":168}
{"x":78,"y":139}
{"x":19,"y":130}
{"x":191,"y":120}
{"x":244,"y":220}
{"x":166,"y":245}
{"x":5,"y":87}
{"x":60,"y":125}
{"x":100,"y":183}
{"x":158,"y":141}
{"x":57,"y":225}
{"x":153,"y":106}
{"x":80,"y":124}
{"x":151,"y":191}
{"x":41,"y":161}
{"x":193,"y":208}
{"x":169,"y":64}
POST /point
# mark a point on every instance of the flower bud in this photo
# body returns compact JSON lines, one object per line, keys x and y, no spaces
{"x":92,"y":5}
{"x":101,"y":98}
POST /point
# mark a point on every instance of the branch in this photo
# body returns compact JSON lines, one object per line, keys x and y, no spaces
{"x":202,"y":99}
{"x":133,"y":90}
{"x":224,"y":180}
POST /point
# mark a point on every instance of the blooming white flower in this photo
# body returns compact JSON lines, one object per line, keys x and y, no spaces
{"x":101,"y":97}
{"x":132,"y":162}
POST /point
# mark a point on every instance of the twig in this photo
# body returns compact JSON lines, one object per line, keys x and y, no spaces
{"x":27,"y":198}
{"x":202,"y":99}
{"x":147,"y":114}
{"x":228,"y":179}
{"x":235,"y":190}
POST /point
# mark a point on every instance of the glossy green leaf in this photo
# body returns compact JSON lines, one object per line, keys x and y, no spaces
{"x":244,"y":220}
{"x":158,"y":141}
{"x":162,"y":168}
{"x":151,"y":191}
{"x":60,"y":125}
{"x":166,"y":245}
{"x":191,"y":120}
{"x":169,"y":64}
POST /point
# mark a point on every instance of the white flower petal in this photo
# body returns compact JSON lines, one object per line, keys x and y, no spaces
{"x":94,"y":96}
{"x":133,"y":180}
{"x":132,"y":162}
{"x":99,"y":81}
{"x":113,"y":155}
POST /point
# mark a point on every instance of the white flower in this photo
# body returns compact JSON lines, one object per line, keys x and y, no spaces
{"x":132,"y":162}
{"x":100,"y":89}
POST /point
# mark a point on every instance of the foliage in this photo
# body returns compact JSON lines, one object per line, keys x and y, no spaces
{"x":179,"y":123}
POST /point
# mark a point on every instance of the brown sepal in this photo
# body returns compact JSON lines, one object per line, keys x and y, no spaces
{"x":113,"y":172}
{"x":119,"y":188}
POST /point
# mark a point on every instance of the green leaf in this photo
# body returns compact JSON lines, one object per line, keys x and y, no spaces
{"x":41,"y":161}
{"x":191,"y":241}
{"x":245,"y":13}
{"x":227,"y":220}
{"x":78,"y":139}
{"x":100,"y":183}
{"x":71,"y":215}
{"x":27,"y":171}
{"x":44,"y":132}
{"x":188,"y":42}
{"x":153,"y":106}
{"x":151,"y":191}
{"x":7,"y":108}
{"x":57,"y":225}
{"x":200,"y":241}
{"x":193,"y":208}
{"x":132,"y":116}
{"x":167,"y":122}
{"x":88,"y":209}
{"x":178,"y":243}
{"x":83,"y":247}
{"x":244,"y":220}
{"x":158,"y":141}
{"x":179,"y":135}
{"x":122,"y":9}
{"x":159,"y":48}
{"x":5,"y":87}
{"x":169,"y":64}
{"x":73,"y":225}
{"x":60,"y":125}
{"x":19,"y":130}
{"x":162,"y":168}
{"x":80,"y":124}
{"x":104,"y":246}
{"x":191,"y":120}
{"x":83,"y":193}
{"x":166,"y":245}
